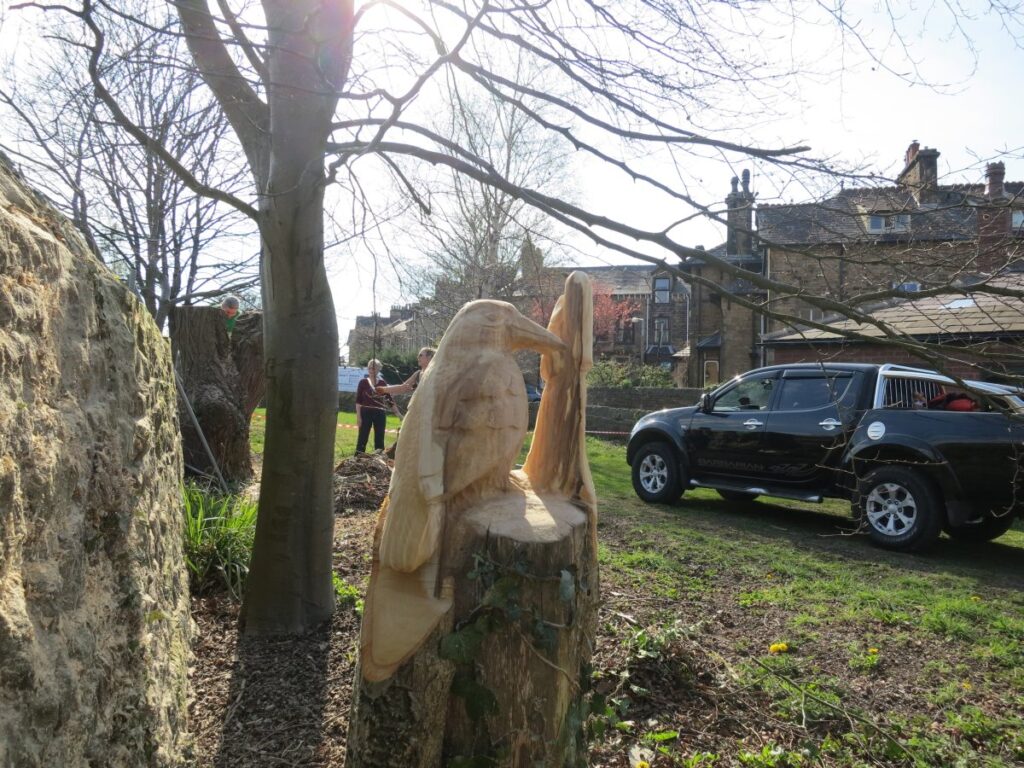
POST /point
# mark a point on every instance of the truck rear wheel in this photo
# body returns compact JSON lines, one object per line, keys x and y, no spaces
{"x":656,"y":474}
{"x":899,"y":507}
{"x":991,"y":527}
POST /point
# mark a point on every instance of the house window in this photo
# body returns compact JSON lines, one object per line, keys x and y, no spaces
{"x":661,"y":332}
{"x":882,"y":222}
{"x":911,"y":286}
{"x":810,"y":313}
{"x":662,"y":290}
{"x":1017,"y":220}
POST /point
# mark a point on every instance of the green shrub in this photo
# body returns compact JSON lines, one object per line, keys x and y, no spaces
{"x":608,"y":373}
{"x":219,"y":531}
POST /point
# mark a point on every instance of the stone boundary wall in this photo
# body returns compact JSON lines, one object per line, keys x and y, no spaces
{"x":642,"y":398}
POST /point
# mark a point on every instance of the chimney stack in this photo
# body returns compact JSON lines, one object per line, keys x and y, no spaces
{"x":739,"y":238}
{"x":995,"y":173}
{"x":911,"y":152}
{"x":921,"y":173}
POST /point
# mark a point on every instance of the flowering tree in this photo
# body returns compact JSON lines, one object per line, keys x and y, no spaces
{"x":611,"y":313}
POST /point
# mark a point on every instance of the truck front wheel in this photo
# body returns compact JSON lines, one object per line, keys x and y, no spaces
{"x":656,"y":475}
{"x":899,"y":507}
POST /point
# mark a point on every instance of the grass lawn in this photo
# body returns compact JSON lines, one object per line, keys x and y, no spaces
{"x":344,"y":438}
{"x":767,"y":634}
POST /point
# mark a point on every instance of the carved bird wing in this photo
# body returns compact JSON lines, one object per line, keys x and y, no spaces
{"x":484,"y":425}
{"x":401,"y":607}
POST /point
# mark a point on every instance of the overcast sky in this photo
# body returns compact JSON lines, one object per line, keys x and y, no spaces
{"x":849,"y":107}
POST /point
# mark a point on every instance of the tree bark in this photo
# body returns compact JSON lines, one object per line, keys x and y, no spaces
{"x":508,"y":684}
{"x":247,"y":351}
{"x":206,"y":367}
{"x":289,"y":589}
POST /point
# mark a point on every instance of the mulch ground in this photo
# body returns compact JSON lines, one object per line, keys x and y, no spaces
{"x":286,"y":702}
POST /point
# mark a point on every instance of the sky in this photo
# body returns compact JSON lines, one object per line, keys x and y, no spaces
{"x":862,"y":114}
{"x":849,"y":107}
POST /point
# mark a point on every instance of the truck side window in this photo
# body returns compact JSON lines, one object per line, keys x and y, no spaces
{"x":752,"y":394}
{"x":908,"y":393}
{"x":804,"y":394}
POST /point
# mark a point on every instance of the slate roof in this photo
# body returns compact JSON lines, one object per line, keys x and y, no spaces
{"x":623,"y":279}
{"x":950,"y":214}
{"x":720,"y":251}
{"x":963,"y":312}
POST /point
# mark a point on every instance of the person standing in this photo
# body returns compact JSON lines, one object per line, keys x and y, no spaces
{"x":372,"y":405}
{"x":229,"y":306}
{"x":409,"y":385}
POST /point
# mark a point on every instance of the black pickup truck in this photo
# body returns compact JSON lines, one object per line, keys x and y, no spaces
{"x":914,"y":451}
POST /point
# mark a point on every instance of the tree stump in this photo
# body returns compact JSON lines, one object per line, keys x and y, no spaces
{"x":223,"y":379}
{"x":508,"y":594}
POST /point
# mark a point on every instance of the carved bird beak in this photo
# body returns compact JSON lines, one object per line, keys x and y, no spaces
{"x":526,"y":334}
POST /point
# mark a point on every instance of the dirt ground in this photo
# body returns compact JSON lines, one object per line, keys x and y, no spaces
{"x":286,"y":702}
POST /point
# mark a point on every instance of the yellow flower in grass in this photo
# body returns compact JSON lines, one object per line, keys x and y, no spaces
{"x":643,"y":764}
{"x":966,"y":685}
{"x":778,"y":648}
{"x":873,"y":651}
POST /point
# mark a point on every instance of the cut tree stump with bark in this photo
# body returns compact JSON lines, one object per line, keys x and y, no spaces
{"x":481,"y":612}
{"x":223,"y":379}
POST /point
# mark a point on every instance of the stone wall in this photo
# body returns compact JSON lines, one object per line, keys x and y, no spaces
{"x":642,"y":398}
{"x":94,"y":622}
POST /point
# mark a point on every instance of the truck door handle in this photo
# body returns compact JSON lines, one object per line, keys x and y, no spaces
{"x":753,"y":423}
{"x":830,"y":424}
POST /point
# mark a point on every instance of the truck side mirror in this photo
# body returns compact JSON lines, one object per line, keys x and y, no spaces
{"x":704,"y":404}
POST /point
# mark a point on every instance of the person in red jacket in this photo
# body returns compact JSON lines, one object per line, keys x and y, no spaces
{"x":953,"y":401}
{"x":372,"y":408}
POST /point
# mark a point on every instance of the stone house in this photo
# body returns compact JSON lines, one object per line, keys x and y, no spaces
{"x":725,"y":333}
{"x":913,"y":236}
{"x":643,"y":316}
{"x":983,"y":322}
{"x":405,"y":329}
{"x":655,"y":327}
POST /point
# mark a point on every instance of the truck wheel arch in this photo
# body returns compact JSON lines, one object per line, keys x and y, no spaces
{"x":915,"y":454}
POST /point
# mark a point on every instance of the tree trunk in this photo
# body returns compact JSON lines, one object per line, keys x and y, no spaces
{"x":206,"y":367}
{"x":508,"y":684}
{"x":247,"y":351}
{"x":289,"y":589}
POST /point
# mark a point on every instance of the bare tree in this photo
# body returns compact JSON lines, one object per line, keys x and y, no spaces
{"x":172,"y":247}
{"x":318,"y":92}
{"x":477,"y":241}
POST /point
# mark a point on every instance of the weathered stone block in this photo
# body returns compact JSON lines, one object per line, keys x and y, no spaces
{"x":94,"y":622}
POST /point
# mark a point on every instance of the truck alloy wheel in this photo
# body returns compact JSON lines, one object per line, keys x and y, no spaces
{"x":656,"y":474}
{"x":900,"y":508}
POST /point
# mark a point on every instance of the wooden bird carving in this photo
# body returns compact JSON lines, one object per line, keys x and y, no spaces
{"x":464,"y":429}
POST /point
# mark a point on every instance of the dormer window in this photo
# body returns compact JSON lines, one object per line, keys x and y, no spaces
{"x":884,"y":222}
